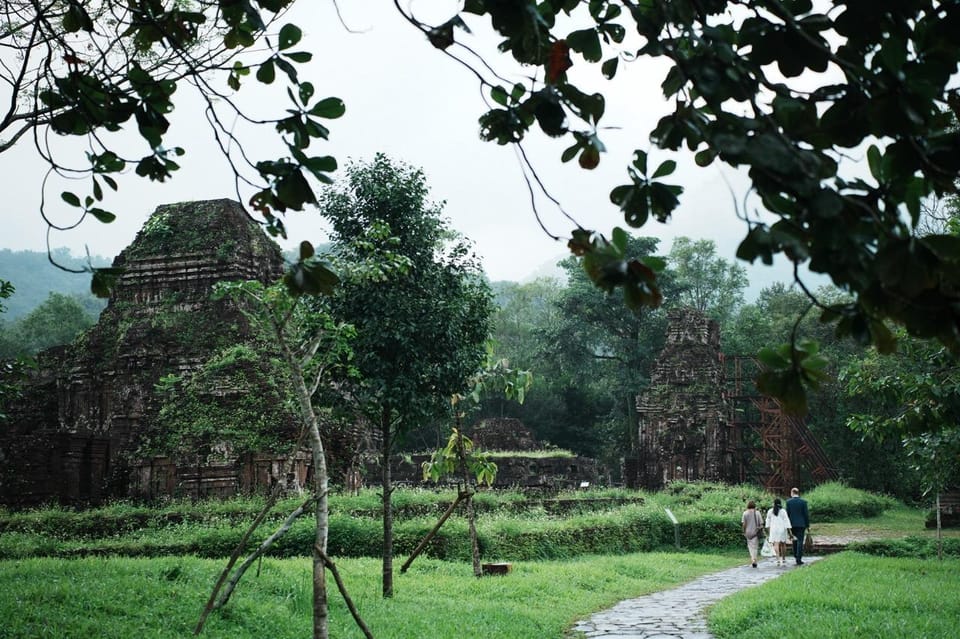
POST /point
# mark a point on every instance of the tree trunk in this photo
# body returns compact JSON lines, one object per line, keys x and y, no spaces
{"x":234,"y":556}
{"x":939,"y":531}
{"x":258,"y":553}
{"x":433,"y":531}
{"x":474,"y":543}
{"x":471,"y":520}
{"x":386,"y":487}
{"x":320,"y":488}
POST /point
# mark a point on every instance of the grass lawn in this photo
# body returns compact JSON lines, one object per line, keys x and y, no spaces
{"x":120,"y":598}
{"x":147,"y":596}
{"x":895,"y":523}
{"x":848,"y":595}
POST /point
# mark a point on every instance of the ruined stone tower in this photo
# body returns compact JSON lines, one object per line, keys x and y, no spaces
{"x":682,"y":415}
{"x":74,"y":436}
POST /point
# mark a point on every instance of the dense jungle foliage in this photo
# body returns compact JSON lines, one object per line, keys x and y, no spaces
{"x":591,"y":357}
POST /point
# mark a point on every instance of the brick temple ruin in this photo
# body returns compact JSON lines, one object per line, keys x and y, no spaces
{"x":702,"y":419}
{"x":683,"y":429}
{"x":74,"y":435}
{"x":78,"y":434}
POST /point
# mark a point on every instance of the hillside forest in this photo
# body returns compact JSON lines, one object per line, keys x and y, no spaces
{"x":590,"y":356}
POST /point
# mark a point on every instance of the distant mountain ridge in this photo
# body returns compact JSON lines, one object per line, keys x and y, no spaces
{"x":34,"y":278}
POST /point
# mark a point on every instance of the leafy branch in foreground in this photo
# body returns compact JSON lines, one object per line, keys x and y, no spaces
{"x":783,"y":90}
{"x":96,"y":70}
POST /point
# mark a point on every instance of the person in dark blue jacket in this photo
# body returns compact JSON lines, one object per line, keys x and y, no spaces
{"x":799,"y":522}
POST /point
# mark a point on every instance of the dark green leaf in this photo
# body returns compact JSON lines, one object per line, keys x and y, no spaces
{"x":586,"y":42}
{"x":70,"y":198}
{"x":294,"y":191}
{"x":570,"y":152}
{"x":499,"y":95}
{"x":104,"y":216}
{"x":311,"y":276}
{"x":329,"y":108}
{"x":103,"y":281}
{"x":321,"y":164}
{"x":875,"y":161}
{"x":666,"y":168}
{"x":787,"y":387}
{"x":306,"y":250}
{"x":640,"y":161}
{"x":550,"y":115}
{"x":287,"y":68}
{"x":290,"y":34}
{"x":705,"y":157}
{"x":266,"y":73}
{"x":609,"y":68}
{"x":774,"y":359}
{"x":299,"y":57}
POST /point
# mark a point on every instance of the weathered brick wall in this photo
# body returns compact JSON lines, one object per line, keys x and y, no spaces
{"x":520,"y":471}
{"x":74,"y":436}
{"x":682,"y":415}
{"x":503,"y":433}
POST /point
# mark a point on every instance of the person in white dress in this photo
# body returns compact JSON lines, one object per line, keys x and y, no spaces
{"x":778,"y":530}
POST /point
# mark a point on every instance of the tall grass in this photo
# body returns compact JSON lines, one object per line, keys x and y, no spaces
{"x":848,"y":595}
{"x":834,"y":501}
{"x":512,"y":525}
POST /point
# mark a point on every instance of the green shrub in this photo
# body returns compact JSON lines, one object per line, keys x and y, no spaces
{"x":122,"y":517}
{"x":705,"y":531}
{"x":913,"y":547}
{"x":632,"y":529}
{"x":511,"y":525}
{"x":353,"y":537}
{"x":710,"y":497}
{"x":835,"y":501}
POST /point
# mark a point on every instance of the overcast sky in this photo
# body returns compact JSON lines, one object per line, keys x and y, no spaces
{"x":406,"y":99}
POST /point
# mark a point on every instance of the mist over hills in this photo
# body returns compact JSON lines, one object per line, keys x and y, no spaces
{"x":35,"y":277}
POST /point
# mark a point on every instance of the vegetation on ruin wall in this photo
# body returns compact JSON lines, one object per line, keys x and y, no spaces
{"x":548,"y":453}
{"x":511,"y":527}
{"x":197,"y":330}
{"x":194,"y":227}
{"x":238,"y":397}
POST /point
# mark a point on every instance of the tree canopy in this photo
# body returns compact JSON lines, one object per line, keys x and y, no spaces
{"x":784,"y":89}
{"x":58,"y":320}
{"x":421,"y":329}
{"x":420,"y":332}
{"x":705,"y":281}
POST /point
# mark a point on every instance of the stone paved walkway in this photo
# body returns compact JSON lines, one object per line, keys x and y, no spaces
{"x":678,"y":613}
